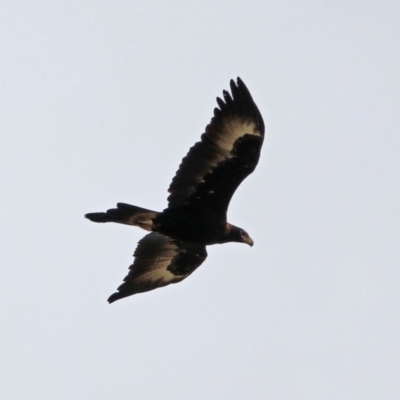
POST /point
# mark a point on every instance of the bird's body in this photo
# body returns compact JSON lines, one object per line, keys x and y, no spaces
{"x":200,"y":193}
{"x":206,"y":228}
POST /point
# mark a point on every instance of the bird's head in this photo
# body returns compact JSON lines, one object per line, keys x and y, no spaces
{"x":236,"y":234}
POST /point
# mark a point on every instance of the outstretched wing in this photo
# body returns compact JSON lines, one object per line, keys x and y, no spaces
{"x":159,"y":261}
{"x":227,"y":153}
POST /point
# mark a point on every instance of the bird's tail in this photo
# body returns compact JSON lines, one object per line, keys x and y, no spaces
{"x":126,"y":214}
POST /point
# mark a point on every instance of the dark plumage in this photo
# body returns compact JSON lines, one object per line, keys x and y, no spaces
{"x":199,"y":198}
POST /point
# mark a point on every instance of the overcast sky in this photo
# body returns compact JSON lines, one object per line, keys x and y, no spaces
{"x":100,"y":101}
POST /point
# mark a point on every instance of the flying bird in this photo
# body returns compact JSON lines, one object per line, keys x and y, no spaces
{"x":199,"y":197}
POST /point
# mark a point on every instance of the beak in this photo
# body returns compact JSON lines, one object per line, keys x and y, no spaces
{"x":249,"y":241}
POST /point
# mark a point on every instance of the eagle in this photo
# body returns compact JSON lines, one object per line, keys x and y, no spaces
{"x":199,"y":196}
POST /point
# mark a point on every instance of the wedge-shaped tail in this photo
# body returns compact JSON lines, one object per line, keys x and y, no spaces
{"x":126,"y":214}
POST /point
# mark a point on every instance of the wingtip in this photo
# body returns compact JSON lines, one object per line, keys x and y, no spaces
{"x":238,"y":85}
{"x":238,"y":81}
{"x":113,"y":297}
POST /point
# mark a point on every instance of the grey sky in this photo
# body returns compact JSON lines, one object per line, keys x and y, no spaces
{"x":100,"y":102}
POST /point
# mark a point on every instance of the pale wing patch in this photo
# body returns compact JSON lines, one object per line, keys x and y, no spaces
{"x":158,"y":254}
{"x":234,"y":129}
{"x":223,"y":144}
{"x":143,"y":220}
{"x":159,"y":273}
